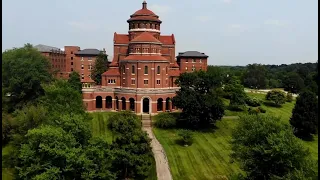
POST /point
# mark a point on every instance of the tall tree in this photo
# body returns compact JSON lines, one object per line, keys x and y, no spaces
{"x":23,"y":72}
{"x":255,"y":76}
{"x":304,"y":117}
{"x":267,"y":149}
{"x":200,"y":103}
{"x":75,"y":82}
{"x":293,"y":83}
{"x":100,"y":66}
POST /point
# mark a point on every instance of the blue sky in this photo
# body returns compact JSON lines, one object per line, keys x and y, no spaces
{"x":231,"y":32}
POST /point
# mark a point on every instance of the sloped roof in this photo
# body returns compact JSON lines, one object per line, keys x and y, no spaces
{"x":174,"y":72}
{"x":121,"y":38}
{"x":112,"y":72}
{"x":192,"y":54}
{"x":167,"y":40}
{"x":45,"y":48}
{"x":145,"y":37}
{"x":174,"y":65}
{"x":88,"y":52}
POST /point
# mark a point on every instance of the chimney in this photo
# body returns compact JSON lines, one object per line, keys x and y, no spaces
{"x":144,"y":5}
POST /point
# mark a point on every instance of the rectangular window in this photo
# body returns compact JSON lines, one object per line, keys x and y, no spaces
{"x":71,"y":52}
{"x":71,"y":58}
{"x":82,"y":76}
{"x":200,"y":60}
{"x":133,"y":70}
{"x":146,"y":70}
{"x":81,"y":58}
{"x":111,"y":81}
{"x":158,"y":70}
{"x":71,"y":69}
{"x":145,"y":81}
{"x":193,"y":60}
{"x":90,"y":66}
{"x":158,"y":81}
{"x":82,"y":66}
{"x":89,"y":58}
{"x":133,"y":81}
{"x":71,"y":63}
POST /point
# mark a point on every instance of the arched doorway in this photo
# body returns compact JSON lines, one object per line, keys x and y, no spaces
{"x":160,"y":104}
{"x":117,"y":103}
{"x":168,"y":100}
{"x":109,"y":102}
{"x":98,"y":102}
{"x":123,"y":99}
{"x":131,"y":104}
{"x":146,"y":105}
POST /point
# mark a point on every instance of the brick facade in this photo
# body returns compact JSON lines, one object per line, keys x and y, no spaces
{"x":144,"y":68}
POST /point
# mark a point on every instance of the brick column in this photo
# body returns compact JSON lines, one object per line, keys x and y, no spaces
{"x":120,"y":104}
{"x":128,"y":105}
{"x":170,"y":105}
{"x":114,"y":104}
{"x":104,"y":107}
{"x":164,"y":106}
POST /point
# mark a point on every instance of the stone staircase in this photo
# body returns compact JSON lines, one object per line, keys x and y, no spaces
{"x":146,"y":120}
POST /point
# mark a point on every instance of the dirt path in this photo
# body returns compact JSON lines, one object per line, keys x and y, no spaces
{"x":162,"y":166}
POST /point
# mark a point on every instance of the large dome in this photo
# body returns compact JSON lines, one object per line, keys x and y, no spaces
{"x":144,"y":14}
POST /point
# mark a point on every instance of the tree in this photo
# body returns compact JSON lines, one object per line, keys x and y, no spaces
{"x":293,"y":83}
{"x":75,"y":82}
{"x":61,"y":98}
{"x":255,"y":76}
{"x":132,"y":155}
{"x":100,"y":66}
{"x":304,"y":117}
{"x":198,"y":98}
{"x":277,"y":97}
{"x":267,"y":149}
{"x":124,"y":122}
{"x":23,"y":72}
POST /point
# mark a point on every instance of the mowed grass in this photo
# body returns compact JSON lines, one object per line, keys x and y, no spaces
{"x":209,"y":156}
{"x":99,"y":126}
{"x":7,"y":174}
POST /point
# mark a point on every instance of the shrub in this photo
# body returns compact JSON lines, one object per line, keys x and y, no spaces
{"x":236,"y":108}
{"x":254,"y":102}
{"x":186,"y":137}
{"x":277,"y":97}
{"x":289,"y":97}
{"x":262,"y":110}
{"x":165,"y":121}
{"x":253,"y":111}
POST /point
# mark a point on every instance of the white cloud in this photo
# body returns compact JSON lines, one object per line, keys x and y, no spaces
{"x":203,"y":18}
{"x":83,"y":26}
{"x":275,"y":22}
{"x":227,"y":1}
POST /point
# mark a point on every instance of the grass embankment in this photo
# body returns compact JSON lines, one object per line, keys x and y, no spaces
{"x":209,"y":155}
{"x":7,"y":174}
{"x":99,"y":128}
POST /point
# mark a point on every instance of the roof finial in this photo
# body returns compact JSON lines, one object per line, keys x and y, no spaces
{"x":144,"y":5}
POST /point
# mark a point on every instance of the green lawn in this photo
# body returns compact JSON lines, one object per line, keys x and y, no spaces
{"x":208,"y":157}
{"x":6,"y":173}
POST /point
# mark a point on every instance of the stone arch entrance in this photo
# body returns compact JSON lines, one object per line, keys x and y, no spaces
{"x":146,"y":108}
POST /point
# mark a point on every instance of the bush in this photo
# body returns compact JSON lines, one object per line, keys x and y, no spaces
{"x":236,"y":108}
{"x":186,"y":137}
{"x":277,"y":97}
{"x":289,"y":97}
{"x":254,"y":102}
{"x":165,"y":121}
{"x":262,"y":110}
{"x":254,"y":111}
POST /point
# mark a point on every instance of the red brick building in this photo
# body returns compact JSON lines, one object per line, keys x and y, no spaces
{"x":71,"y":59}
{"x":142,"y":73}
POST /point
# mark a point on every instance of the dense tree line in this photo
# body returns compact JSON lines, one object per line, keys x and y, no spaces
{"x":293,"y":78}
{"x":49,"y":132}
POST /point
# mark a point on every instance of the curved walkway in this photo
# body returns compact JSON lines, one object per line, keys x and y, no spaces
{"x":162,"y":165}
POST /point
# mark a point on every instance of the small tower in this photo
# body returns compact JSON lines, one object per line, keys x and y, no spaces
{"x":144,"y":5}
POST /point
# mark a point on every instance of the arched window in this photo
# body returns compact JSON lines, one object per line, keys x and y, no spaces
{"x":133,"y":70}
{"x":131,"y":104}
{"x":145,"y":69}
{"x":160,"y":104}
{"x":158,"y":70}
{"x":98,"y":102}
{"x":123,"y":103}
{"x":109,"y":102}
